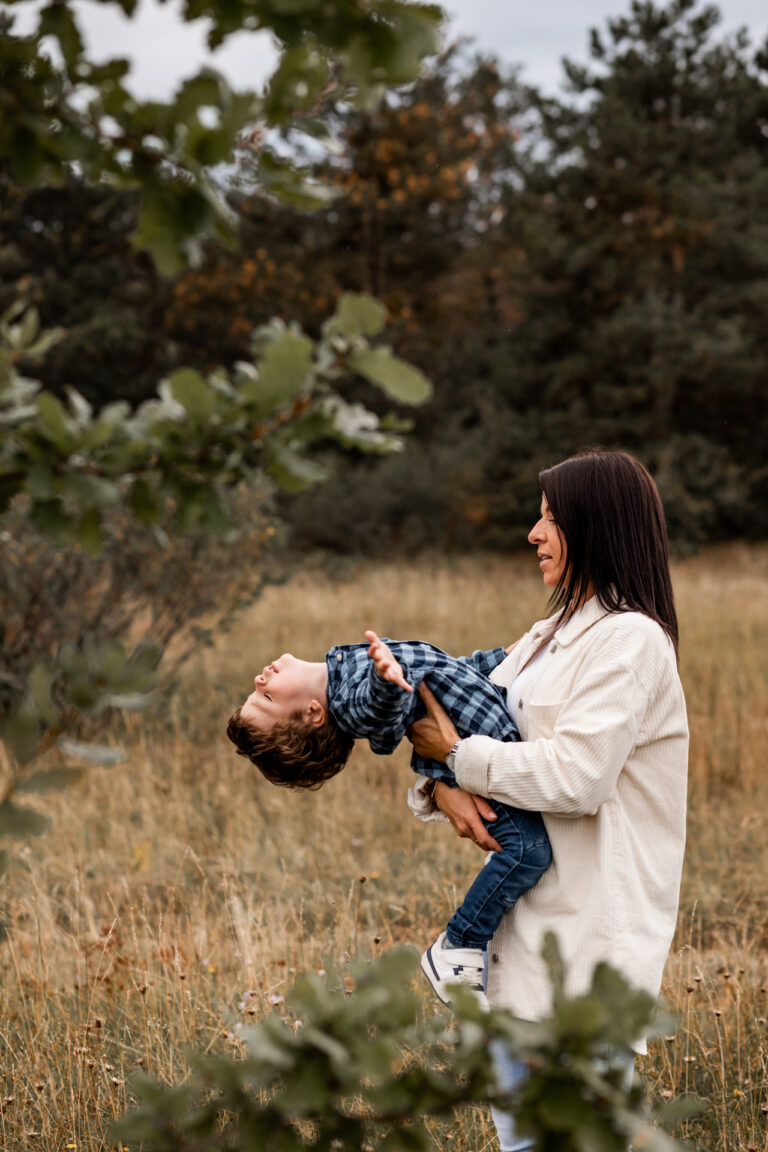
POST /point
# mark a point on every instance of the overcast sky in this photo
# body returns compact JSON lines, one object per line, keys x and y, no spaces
{"x":534,"y":33}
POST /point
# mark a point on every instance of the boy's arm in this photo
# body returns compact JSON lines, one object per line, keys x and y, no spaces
{"x":485,"y":661}
{"x":379,"y":704}
{"x":385,"y":663}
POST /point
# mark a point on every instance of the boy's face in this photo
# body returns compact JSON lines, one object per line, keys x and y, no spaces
{"x":279,"y":690}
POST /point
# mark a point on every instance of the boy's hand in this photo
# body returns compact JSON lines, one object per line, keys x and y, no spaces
{"x":385,"y":663}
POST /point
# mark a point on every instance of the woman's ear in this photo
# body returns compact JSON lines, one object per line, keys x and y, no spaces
{"x":316,"y":713}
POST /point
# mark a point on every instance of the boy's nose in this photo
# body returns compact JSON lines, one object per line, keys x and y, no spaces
{"x":260,"y":679}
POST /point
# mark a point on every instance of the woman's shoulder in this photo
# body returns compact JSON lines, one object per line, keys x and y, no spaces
{"x":636,"y":640}
{"x":629,"y":622}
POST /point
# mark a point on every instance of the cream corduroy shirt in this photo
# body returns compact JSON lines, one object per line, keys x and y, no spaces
{"x":603,"y":757}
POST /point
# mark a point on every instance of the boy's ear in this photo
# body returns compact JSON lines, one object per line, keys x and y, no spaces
{"x":316,"y":714}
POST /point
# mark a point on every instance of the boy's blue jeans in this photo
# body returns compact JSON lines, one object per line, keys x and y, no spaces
{"x":525,"y":855}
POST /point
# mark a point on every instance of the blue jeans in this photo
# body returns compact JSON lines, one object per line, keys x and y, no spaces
{"x":525,"y":855}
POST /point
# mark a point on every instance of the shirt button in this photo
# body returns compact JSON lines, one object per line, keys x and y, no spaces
{"x":338,"y":656}
{"x":519,"y":703}
{"x":553,"y":648}
{"x":494,"y":958}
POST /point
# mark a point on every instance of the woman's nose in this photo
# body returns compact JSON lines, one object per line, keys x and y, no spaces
{"x":535,"y":533}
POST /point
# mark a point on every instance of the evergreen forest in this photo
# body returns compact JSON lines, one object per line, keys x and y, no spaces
{"x":571,"y":271}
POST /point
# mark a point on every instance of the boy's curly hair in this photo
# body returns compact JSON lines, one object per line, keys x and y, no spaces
{"x":292,"y":752}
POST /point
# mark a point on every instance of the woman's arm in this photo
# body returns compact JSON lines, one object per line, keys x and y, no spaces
{"x":434,"y":736}
{"x":574,"y":770}
{"x":466,"y":813}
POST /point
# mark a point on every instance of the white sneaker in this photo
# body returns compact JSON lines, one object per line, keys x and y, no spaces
{"x":447,"y":967}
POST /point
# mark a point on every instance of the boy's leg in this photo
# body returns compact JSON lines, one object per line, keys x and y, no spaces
{"x":525,"y":855}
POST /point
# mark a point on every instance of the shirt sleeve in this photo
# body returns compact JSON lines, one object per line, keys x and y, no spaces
{"x":379,"y":710}
{"x":573,"y":771}
{"x":485,"y":661}
{"x":421,"y":801}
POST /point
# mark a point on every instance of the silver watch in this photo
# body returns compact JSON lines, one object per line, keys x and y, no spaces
{"x":450,"y":759}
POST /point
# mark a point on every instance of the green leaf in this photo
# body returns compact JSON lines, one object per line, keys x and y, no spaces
{"x":156,"y":232}
{"x":358,"y":315}
{"x":49,"y":517}
{"x":26,"y":154}
{"x":57,"y":20}
{"x":407,"y":1140}
{"x":145,"y":502}
{"x":93,"y":491}
{"x":207,"y":89}
{"x":143,"y":663}
{"x":54,"y":417}
{"x":21,"y":822}
{"x":285,"y":367}
{"x":193,"y":393}
{"x":21,"y":734}
{"x":89,"y":531}
{"x":399,"y":380}
{"x":292,"y":471}
{"x":51,"y":780}
{"x":39,"y":684}
{"x":551,"y":956}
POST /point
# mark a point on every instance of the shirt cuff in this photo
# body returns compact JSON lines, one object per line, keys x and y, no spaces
{"x":472,"y":759}
{"x":421,"y":801}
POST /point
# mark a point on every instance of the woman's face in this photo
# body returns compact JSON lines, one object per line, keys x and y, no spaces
{"x":550,"y":547}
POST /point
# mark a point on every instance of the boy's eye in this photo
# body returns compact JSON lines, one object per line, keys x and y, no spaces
{"x":267,"y":697}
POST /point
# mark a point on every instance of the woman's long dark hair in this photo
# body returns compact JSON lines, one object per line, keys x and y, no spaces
{"x":610,"y":517}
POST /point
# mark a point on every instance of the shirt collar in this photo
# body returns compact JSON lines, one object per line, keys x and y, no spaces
{"x":583,"y":618}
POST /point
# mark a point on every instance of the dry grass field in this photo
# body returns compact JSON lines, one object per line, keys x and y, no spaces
{"x":175,"y":897}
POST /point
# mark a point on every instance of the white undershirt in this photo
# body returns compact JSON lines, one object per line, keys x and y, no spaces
{"x":516,"y":691}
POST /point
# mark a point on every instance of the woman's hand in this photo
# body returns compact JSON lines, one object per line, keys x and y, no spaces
{"x":466,"y":813}
{"x":435,"y":734}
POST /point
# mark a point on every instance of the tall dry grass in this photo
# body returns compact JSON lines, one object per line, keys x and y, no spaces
{"x":175,"y":897}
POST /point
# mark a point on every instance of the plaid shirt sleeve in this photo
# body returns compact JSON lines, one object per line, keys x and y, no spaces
{"x":485,"y":661}
{"x":378,"y":710}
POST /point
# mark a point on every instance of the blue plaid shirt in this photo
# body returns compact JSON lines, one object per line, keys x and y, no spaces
{"x":367,"y":707}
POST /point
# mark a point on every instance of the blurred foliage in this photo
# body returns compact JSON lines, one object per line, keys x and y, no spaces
{"x":61,"y":112}
{"x":198,"y":436}
{"x":355,"y":1066}
{"x":66,"y":613}
{"x":120,"y":527}
{"x":107,"y":511}
{"x":591,"y":269}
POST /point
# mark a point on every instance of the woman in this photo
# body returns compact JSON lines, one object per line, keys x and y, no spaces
{"x":596,"y":694}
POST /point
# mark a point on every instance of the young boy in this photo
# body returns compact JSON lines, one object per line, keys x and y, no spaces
{"x":300,"y":722}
